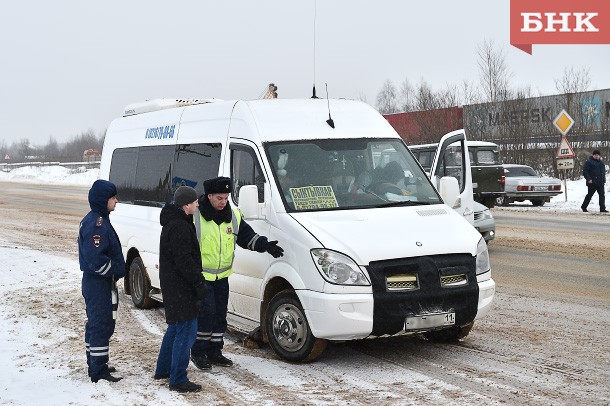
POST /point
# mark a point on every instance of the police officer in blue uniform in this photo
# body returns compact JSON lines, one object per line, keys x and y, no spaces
{"x":102,"y":263}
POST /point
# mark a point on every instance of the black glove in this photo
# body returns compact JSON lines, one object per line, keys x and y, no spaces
{"x":201,"y":290}
{"x":275,"y":250}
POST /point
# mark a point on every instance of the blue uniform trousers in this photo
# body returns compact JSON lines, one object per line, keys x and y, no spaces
{"x":100,"y":324}
{"x":212,"y":320}
{"x":175,"y":348}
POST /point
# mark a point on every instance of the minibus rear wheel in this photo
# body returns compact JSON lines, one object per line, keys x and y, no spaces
{"x":288,"y":330}
{"x":139,"y":285}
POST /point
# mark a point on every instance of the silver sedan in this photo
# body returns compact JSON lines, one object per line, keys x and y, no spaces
{"x":523,"y":183}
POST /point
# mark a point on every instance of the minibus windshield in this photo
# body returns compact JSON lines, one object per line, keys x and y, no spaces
{"x":314,"y":175}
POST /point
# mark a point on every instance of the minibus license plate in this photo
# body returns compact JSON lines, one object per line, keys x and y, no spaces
{"x":429,"y":320}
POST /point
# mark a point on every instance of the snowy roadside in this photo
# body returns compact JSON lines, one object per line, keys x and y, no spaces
{"x":43,"y":315}
{"x":51,"y":175}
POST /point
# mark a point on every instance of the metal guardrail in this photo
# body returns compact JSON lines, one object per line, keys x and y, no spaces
{"x":7,"y":167}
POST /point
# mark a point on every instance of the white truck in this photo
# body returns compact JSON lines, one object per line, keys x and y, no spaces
{"x":366,"y":254}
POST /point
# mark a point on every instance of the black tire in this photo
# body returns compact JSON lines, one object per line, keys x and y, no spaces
{"x":449,"y":334}
{"x":139,"y":285}
{"x":288,"y":331}
{"x":538,"y":202}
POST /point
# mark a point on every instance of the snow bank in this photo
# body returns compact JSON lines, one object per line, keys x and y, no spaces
{"x":52,"y":175}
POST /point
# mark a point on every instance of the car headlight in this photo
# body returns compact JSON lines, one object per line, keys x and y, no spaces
{"x":482,"y":258}
{"x":338,"y":268}
{"x":487,"y":214}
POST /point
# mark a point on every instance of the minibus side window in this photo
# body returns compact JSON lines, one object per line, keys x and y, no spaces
{"x":123,"y":173}
{"x":245,"y":170}
{"x":153,"y":175}
{"x":195,"y":163}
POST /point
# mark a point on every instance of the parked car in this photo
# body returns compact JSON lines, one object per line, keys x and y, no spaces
{"x":485,"y":166}
{"x":523,"y":183}
{"x":484,"y":221}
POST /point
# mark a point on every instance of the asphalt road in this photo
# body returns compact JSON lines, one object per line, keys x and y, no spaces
{"x":544,"y":342}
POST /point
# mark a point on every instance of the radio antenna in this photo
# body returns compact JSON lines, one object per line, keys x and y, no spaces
{"x":315,"y":6}
{"x":330,"y":121}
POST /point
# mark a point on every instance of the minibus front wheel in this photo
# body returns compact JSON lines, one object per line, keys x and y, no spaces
{"x":139,"y":285}
{"x":288,"y":331}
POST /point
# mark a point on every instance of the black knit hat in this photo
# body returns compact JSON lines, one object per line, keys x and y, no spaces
{"x":184,"y":195}
{"x":218,"y":185}
{"x":596,"y":152}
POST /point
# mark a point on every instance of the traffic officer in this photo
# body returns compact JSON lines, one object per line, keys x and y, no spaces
{"x":102,"y":263}
{"x":219,"y":228}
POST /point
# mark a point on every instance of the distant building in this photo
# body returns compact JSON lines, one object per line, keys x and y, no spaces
{"x":91,"y":155}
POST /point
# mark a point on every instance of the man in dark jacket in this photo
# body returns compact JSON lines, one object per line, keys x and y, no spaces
{"x":219,"y":228}
{"x":594,"y":172}
{"x":183,"y":285}
{"x":102,"y":263}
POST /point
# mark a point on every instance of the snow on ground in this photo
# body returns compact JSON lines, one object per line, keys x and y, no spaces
{"x":36,"y":368}
{"x":51,"y":174}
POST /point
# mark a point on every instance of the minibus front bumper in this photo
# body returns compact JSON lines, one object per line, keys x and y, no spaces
{"x":338,"y":316}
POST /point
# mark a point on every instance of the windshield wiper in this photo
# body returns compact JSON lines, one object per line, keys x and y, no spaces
{"x":405,"y":203}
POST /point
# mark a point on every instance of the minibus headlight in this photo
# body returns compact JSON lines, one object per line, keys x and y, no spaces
{"x":338,"y":268}
{"x":482,"y":257}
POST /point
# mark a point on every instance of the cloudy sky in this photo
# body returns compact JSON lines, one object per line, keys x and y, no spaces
{"x":70,"y":66}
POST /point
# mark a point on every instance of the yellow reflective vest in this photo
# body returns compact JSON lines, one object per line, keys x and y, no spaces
{"x":217,"y":245}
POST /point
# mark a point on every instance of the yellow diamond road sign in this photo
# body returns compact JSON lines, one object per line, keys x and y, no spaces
{"x":563,"y":122}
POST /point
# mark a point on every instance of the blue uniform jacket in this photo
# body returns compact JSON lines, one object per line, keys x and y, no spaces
{"x":99,"y":248}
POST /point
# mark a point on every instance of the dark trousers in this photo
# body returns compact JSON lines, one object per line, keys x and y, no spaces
{"x":600,"y":192}
{"x":100,"y":324}
{"x":212,"y":320}
{"x":175,"y":349}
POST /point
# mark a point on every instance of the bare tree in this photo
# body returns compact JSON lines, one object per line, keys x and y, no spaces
{"x":407,"y":96}
{"x":449,"y":97}
{"x":74,"y":148}
{"x":51,"y":150}
{"x":3,"y":150}
{"x":573,"y":80}
{"x":23,"y":148}
{"x":386,"y":98}
{"x":494,"y":73}
{"x":425,"y":98}
{"x":470,"y":93}
{"x":362,"y":97}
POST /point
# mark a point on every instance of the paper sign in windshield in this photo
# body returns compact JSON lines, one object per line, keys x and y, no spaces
{"x":313,"y":197}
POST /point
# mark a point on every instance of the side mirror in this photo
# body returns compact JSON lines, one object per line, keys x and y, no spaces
{"x":449,"y":189}
{"x":248,"y":201}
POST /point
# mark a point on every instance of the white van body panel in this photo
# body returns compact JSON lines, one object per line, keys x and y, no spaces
{"x":341,"y":231}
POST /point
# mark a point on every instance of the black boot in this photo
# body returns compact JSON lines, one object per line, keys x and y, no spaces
{"x":201,"y":362}
{"x":186,"y":386}
{"x":107,"y":377}
{"x":222,"y":361}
